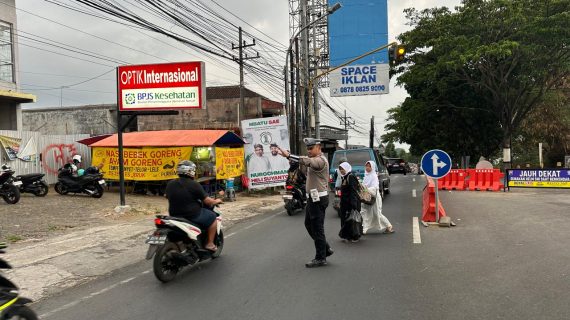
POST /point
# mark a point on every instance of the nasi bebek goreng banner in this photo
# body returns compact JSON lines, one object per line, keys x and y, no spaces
{"x":142,"y":164}
{"x":539,"y":178}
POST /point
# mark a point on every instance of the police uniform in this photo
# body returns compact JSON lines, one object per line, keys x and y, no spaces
{"x":316,"y":170}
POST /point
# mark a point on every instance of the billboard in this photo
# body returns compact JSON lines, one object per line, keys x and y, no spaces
{"x":164,"y":86}
{"x":266,"y":168}
{"x":539,"y":178}
{"x":358,"y":27}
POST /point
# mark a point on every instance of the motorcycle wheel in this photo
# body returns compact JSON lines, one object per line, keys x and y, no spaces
{"x":290,"y":212}
{"x":43,"y":189}
{"x":98,"y":192}
{"x":164,"y":268}
{"x":61,"y":188}
{"x":11,"y":194}
{"x":219,"y":242}
{"x":20,"y":313}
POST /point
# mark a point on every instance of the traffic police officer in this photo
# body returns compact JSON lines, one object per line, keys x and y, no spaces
{"x":316,"y":168}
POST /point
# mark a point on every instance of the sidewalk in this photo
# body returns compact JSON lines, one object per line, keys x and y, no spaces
{"x":42,"y":269}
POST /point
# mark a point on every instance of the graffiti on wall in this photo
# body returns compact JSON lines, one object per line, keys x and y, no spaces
{"x":55,"y":156}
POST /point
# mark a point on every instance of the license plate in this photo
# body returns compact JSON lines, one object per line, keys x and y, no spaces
{"x":17,"y":183}
{"x":396,"y":165}
{"x":152,"y":239}
{"x":101,"y":181}
{"x":288,"y":197}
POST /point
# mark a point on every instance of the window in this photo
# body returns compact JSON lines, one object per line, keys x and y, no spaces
{"x":6,"y":58}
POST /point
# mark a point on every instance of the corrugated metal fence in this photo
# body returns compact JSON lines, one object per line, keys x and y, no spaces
{"x":53,"y":151}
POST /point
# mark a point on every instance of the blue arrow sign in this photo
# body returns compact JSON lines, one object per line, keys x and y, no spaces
{"x":436,"y":163}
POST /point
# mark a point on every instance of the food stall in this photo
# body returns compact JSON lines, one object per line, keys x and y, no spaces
{"x":151,"y":157}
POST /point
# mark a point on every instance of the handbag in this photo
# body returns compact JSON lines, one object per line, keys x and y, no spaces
{"x":365,"y":196}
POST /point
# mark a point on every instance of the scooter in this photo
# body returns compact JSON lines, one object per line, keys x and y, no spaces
{"x":177,"y":243}
{"x":294,"y":198}
{"x":12,"y":306}
{"x":91,"y":182}
{"x":9,"y":190}
{"x":33,"y":183}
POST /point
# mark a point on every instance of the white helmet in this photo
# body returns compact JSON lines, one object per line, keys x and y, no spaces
{"x":186,"y":168}
{"x":77,"y":158}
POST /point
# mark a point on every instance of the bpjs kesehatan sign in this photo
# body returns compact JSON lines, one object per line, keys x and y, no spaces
{"x":356,"y":80}
{"x":162,"y":86}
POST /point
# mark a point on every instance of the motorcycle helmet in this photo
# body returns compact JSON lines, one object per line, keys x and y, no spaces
{"x":76,"y":158}
{"x":80,"y":172}
{"x":186,"y":168}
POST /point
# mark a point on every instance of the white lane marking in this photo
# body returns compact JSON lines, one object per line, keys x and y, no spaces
{"x":414,"y":179}
{"x":94,"y":294}
{"x":414,"y":193}
{"x":416,"y":231}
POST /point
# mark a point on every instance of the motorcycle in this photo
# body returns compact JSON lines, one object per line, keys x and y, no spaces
{"x":33,"y":183}
{"x":12,"y":306}
{"x":91,"y":182}
{"x":295,"y":197}
{"x":177,"y":243}
{"x":9,"y":190}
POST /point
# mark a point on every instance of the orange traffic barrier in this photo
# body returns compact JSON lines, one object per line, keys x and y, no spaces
{"x":428,"y":208}
{"x":455,"y":180}
{"x":485,"y":179}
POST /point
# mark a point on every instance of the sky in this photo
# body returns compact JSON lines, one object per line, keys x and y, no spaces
{"x":43,"y":73}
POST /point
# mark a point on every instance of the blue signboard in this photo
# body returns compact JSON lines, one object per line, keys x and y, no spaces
{"x":356,"y":28}
{"x":539,"y":178}
{"x":436,"y":163}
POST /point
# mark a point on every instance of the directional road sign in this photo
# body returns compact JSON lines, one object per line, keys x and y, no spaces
{"x":436,"y":163}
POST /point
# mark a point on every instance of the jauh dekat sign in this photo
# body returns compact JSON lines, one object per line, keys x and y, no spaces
{"x":166,"y":86}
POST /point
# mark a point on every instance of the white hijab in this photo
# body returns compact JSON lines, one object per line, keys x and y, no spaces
{"x":371,"y":178}
{"x":347,"y":168}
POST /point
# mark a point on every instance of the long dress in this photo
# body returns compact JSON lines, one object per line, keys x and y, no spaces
{"x":349,"y":201}
{"x":373,"y":221}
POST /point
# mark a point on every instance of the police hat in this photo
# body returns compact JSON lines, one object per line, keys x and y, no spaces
{"x":311,"y":141}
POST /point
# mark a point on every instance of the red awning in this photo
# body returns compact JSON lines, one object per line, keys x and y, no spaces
{"x":172,"y":138}
{"x":92,"y":140}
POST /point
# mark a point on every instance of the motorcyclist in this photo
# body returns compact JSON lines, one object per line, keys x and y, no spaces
{"x":73,"y":166}
{"x":296,"y":177}
{"x":186,"y":197}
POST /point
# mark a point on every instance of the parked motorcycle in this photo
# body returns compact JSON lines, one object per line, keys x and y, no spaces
{"x":9,"y":190}
{"x":12,"y":306}
{"x":177,"y":243}
{"x":33,"y":183}
{"x":295,"y":197}
{"x":91,"y":182}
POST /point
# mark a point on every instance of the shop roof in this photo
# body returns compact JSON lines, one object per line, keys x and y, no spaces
{"x":91,"y":140}
{"x":20,"y":97}
{"x":172,"y":138}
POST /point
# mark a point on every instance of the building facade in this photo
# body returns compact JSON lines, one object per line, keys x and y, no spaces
{"x":221,"y":113}
{"x":10,"y":96}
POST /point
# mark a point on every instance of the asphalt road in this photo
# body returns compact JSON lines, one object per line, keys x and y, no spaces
{"x":485,"y":268}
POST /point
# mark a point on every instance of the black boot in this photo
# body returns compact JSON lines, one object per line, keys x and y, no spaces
{"x":329,"y":252}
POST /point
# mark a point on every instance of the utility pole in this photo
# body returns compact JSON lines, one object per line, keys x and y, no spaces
{"x":304,"y":66}
{"x":240,"y":60}
{"x":347,"y":122}
{"x":372,"y":132}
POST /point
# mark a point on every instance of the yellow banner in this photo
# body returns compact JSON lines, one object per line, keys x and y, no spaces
{"x":229,"y":163}
{"x":141,"y":164}
{"x":539,"y":184}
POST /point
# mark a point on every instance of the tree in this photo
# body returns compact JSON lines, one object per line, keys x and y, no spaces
{"x":390,"y":151}
{"x":504,"y":55}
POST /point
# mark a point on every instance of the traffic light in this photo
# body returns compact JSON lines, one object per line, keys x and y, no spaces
{"x":396,"y":54}
{"x":400,"y":52}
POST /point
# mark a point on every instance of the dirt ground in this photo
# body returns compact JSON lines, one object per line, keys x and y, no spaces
{"x":36,"y":218}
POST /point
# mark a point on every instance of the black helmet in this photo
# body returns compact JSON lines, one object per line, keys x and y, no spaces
{"x":186,"y":168}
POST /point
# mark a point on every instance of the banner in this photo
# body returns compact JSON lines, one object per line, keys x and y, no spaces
{"x":29,"y":152}
{"x":539,"y":178}
{"x":265,"y":167}
{"x":11,"y":146}
{"x":359,"y":27}
{"x":229,"y":162}
{"x":141,"y":164}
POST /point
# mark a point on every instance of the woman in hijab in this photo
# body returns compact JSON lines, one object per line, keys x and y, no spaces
{"x":372,"y":218}
{"x":349,"y":201}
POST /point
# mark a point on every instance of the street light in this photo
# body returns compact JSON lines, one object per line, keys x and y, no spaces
{"x":330,"y":11}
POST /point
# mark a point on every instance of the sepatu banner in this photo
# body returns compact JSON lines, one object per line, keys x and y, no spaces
{"x":539,"y":178}
{"x":141,"y":164}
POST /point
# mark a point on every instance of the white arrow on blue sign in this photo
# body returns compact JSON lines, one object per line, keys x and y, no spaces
{"x":436,"y":163}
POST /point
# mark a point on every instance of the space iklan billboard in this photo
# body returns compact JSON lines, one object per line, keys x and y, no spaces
{"x":165,"y":86}
{"x":358,"y":27}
